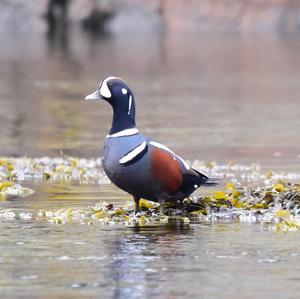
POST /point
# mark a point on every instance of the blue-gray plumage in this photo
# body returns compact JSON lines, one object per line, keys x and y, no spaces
{"x":137,"y":164}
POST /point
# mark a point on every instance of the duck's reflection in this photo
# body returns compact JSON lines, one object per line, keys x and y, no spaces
{"x":140,"y":257}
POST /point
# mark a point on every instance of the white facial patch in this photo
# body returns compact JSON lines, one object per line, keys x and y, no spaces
{"x":124,"y":90}
{"x":104,"y":90}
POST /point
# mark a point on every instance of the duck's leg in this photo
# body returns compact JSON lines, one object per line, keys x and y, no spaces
{"x":137,"y":204}
{"x":162,"y":207}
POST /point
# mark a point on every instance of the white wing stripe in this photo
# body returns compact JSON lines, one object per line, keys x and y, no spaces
{"x":159,"y":145}
{"x":131,"y":155}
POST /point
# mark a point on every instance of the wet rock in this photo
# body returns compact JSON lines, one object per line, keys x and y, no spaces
{"x":86,"y":171}
{"x":10,"y":190}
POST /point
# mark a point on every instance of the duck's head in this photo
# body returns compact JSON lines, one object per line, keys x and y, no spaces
{"x":116,"y":92}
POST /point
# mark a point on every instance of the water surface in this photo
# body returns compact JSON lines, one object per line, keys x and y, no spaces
{"x":208,"y":97}
{"x":175,"y":260}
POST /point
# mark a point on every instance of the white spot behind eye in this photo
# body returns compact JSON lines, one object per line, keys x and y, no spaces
{"x":124,"y":90}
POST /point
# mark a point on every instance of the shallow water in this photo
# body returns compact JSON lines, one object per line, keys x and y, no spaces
{"x":173,"y":260}
{"x":216,"y":98}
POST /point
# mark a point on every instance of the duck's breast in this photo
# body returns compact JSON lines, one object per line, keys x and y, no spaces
{"x":127,"y":163}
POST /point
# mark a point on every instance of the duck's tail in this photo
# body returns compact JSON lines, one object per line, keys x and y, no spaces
{"x":210,"y":182}
{"x":206,"y":181}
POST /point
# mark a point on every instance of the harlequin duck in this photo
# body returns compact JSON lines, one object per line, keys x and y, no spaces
{"x":137,"y":164}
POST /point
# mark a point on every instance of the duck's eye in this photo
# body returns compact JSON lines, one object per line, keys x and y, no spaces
{"x":124,"y":90}
{"x":110,"y":84}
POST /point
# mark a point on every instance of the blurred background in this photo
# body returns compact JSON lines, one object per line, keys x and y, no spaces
{"x":215,"y":80}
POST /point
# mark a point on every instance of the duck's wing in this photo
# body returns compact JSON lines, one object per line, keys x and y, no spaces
{"x":166,"y":169}
{"x":175,"y":173}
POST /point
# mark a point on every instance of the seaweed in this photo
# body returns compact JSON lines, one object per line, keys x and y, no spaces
{"x":247,"y":194}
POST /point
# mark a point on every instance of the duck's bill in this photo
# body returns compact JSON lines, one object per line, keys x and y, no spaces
{"x":94,"y":96}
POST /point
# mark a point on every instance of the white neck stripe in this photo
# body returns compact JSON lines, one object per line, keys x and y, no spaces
{"x":129,"y":105}
{"x":127,"y":132}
